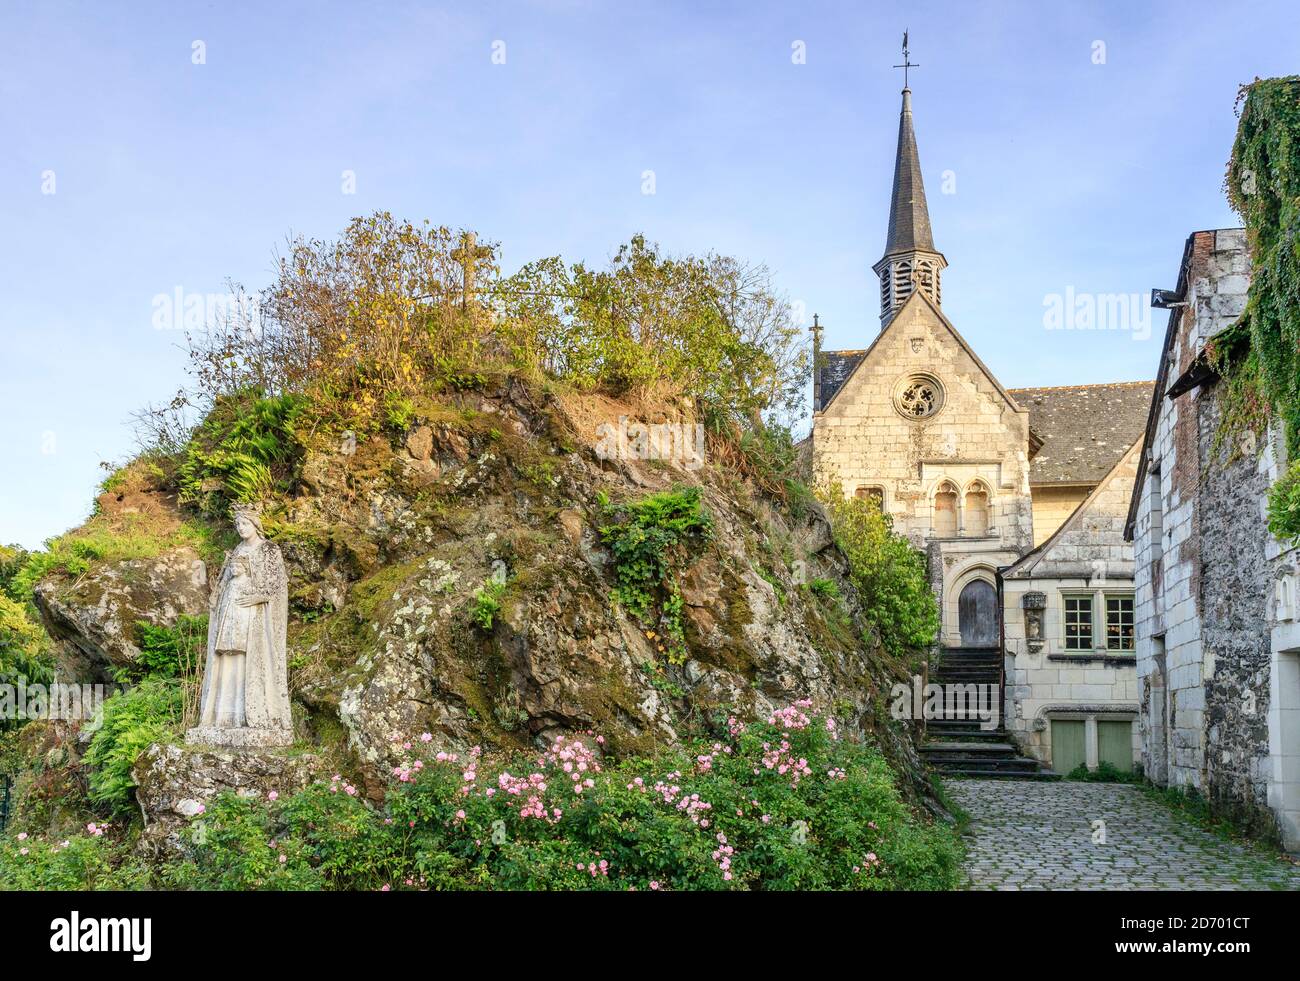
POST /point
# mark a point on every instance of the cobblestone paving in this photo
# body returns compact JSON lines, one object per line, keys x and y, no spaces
{"x":1028,"y":834}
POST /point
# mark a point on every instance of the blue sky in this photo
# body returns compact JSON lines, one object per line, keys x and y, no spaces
{"x":1068,"y":173}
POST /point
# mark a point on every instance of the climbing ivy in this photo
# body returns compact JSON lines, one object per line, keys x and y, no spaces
{"x":1263,"y":183}
{"x":650,"y":538}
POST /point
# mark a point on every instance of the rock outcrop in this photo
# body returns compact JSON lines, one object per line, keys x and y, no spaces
{"x":389,"y":540}
{"x":92,"y":618}
{"x":175,"y":783}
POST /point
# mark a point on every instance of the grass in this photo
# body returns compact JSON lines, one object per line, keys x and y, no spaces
{"x":1196,"y":809}
{"x":111,"y":540}
{"x":1105,"y":773}
{"x":960,"y":816}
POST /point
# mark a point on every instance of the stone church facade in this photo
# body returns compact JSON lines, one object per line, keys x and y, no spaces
{"x":1218,"y":619}
{"x":979,"y":477}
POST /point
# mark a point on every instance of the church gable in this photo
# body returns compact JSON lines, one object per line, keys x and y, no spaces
{"x":917,"y":345}
{"x":1091,"y":541}
{"x":921,"y":424}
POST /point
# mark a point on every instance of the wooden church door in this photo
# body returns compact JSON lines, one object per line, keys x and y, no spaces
{"x":977,"y":614}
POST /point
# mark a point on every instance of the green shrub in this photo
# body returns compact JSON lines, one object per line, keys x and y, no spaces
{"x":398,"y":412}
{"x":239,"y":846}
{"x":824,"y":588}
{"x":24,"y":646}
{"x":710,"y":328}
{"x":80,"y":863}
{"x":1284,"y":505}
{"x":128,"y":723}
{"x":650,"y":539}
{"x":167,"y":652}
{"x":487,"y":603}
{"x":1263,"y":184}
{"x":100,"y":541}
{"x":775,"y":805}
{"x":887,"y":572}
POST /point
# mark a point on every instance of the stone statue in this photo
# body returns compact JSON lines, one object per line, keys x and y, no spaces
{"x":245,"y":683}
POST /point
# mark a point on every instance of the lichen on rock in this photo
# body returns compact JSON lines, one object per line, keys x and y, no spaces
{"x":390,"y":543}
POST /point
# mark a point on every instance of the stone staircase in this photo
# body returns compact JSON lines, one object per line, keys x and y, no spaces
{"x":957,"y":746}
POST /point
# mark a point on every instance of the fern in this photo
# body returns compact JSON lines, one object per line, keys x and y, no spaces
{"x":237,"y":452}
{"x":129,"y":723}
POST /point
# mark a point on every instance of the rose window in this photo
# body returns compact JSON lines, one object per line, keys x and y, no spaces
{"x":919,"y":398}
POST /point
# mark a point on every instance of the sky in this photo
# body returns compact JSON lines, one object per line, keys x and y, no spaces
{"x":1068,"y":150}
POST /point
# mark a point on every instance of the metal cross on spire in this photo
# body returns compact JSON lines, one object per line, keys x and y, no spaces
{"x":906,"y":62}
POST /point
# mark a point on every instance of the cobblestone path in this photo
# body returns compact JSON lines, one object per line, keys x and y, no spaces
{"x":1028,"y":834}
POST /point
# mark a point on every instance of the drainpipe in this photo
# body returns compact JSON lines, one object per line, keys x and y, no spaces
{"x":1002,"y":650}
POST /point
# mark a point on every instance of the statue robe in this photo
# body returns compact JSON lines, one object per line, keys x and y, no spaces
{"x":246,"y":684}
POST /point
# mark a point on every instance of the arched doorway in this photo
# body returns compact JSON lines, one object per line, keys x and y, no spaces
{"x":977,"y":614}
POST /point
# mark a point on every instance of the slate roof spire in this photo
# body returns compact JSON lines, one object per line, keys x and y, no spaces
{"x":909,"y":218}
{"x":910,"y":258}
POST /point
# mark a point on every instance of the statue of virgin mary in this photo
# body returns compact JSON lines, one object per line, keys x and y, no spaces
{"x":245,"y":698}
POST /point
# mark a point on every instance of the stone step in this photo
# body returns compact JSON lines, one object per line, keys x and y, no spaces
{"x":957,"y":670}
{"x":953,"y":763}
{"x":940,"y":734}
{"x":957,"y":724}
{"x":1001,"y":775}
{"x":970,"y":746}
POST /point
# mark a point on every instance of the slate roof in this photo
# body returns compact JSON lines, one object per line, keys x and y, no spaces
{"x":1085,"y":429}
{"x":909,"y":219}
{"x":836,"y":366}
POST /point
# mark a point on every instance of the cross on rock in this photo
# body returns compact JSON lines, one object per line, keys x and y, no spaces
{"x":468,"y":255}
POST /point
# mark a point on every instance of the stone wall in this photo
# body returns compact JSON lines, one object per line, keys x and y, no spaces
{"x":1234,"y":607}
{"x":1217,"y":676}
{"x":1052,"y":505}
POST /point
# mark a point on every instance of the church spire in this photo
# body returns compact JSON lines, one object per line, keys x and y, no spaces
{"x":910,"y":258}
{"x":909,"y":219}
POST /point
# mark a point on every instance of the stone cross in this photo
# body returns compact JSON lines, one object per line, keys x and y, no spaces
{"x":468,"y":255}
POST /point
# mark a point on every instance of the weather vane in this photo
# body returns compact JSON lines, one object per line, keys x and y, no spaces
{"x":906,"y":63}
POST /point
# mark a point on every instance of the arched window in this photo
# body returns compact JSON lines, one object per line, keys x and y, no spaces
{"x":871,"y":493}
{"x":976,"y":515}
{"x":945,"y":511}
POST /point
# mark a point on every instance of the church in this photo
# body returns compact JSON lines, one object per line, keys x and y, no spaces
{"x":1017,"y":497}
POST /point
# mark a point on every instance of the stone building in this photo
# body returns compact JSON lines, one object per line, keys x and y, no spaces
{"x":1069,"y":637}
{"x":1218,"y":632}
{"x":974,"y":474}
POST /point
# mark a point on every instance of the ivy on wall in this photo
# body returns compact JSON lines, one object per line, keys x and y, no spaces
{"x":1263,"y":184}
